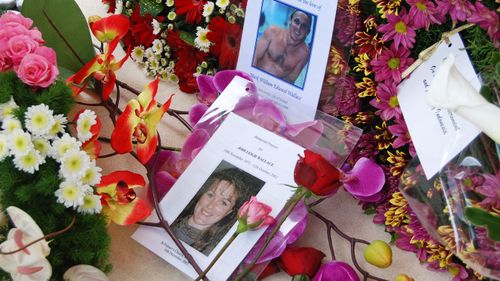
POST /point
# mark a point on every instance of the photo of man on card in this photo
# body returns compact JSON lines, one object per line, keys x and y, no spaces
{"x":212,"y":211}
{"x":284,"y":42}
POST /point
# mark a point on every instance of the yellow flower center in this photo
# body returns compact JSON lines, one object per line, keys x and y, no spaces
{"x":56,"y":128}
{"x":86,"y":125}
{"x":74,"y":163}
{"x":70,"y":192}
{"x":20,"y":143}
{"x":89,"y":174}
{"x":400,"y":27}
{"x":39,"y":120}
{"x":393,"y":101}
{"x":28,"y":160}
{"x":40,"y":145}
{"x":393,"y":63}
{"x":421,"y":6}
{"x":89,"y":202}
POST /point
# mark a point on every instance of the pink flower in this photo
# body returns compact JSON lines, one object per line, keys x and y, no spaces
{"x":423,"y":13}
{"x":391,"y":63}
{"x":13,"y":18}
{"x":346,"y":97}
{"x":400,"y":131}
{"x":19,"y":46}
{"x":491,"y":191}
{"x":459,"y":10}
{"x":38,"y":69}
{"x":336,"y":271}
{"x":253,"y":215}
{"x":11,"y":28}
{"x":400,"y":29}
{"x":488,"y":20}
{"x":386,"y":101}
{"x":365,"y":180}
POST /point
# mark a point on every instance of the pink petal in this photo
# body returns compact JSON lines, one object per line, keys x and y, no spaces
{"x":208,"y":92}
{"x":336,"y":271}
{"x":245,"y":106}
{"x":194,"y":143}
{"x":224,"y":77}
{"x":274,"y":249}
{"x":365,"y":179}
{"x":163,"y":182}
{"x":196,"y":112}
{"x":268,"y":115}
{"x":305,"y":134}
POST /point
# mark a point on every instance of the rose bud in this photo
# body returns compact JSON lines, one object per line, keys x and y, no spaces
{"x":301,"y":261}
{"x":403,"y":277}
{"x":253,"y":215}
{"x":336,"y":271}
{"x":379,"y":254}
{"x":316,"y":174}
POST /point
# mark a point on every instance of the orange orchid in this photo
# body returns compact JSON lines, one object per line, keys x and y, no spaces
{"x":119,"y":200}
{"x":107,"y":30}
{"x":138,"y":121}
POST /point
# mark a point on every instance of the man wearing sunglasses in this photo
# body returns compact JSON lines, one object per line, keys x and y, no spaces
{"x":283,"y":52}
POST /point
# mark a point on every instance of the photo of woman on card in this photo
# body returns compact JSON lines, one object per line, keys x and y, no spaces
{"x":212,"y":211}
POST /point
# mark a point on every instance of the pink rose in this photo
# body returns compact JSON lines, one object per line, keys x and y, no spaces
{"x":19,"y":46}
{"x":38,"y":69}
{"x":253,"y":215}
{"x":5,"y":62}
{"x":14,"y":18}
{"x":9,"y":31}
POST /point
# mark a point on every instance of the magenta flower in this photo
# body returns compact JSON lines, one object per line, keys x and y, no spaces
{"x":196,"y":112}
{"x":390,"y":64}
{"x":491,"y":191}
{"x":400,"y":29}
{"x":336,"y":271}
{"x":400,"y":131}
{"x":365,"y":180}
{"x":38,"y":69}
{"x":488,"y":20}
{"x":211,"y":86}
{"x":253,"y":215}
{"x":423,"y":13}
{"x":346,"y":97}
{"x":387,"y":101}
{"x":459,"y":10}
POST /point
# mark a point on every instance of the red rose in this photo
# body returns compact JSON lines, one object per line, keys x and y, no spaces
{"x":301,"y":261}
{"x":316,"y":174}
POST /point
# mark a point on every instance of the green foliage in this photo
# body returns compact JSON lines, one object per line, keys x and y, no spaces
{"x":87,"y":242}
{"x":64,"y":29}
{"x":151,"y":7}
{"x":480,"y":217}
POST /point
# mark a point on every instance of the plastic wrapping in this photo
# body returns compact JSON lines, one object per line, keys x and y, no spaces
{"x":471,"y":181}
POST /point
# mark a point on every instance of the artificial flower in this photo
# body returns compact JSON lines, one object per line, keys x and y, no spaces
{"x":403,"y":277}
{"x":39,"y":119}
{"x":191,"y":9}
{"x":226,"y":38}
{"x":138,"y":121}
{"x":119,"y":200}
{"x":378,"y":253}
{"x":71,"y":193}
{"x":84,"y":272}
{"x":365,"y":180}
{"x":110,"y":29}
{"x":87,"y":125}
{"x":301,"y":261}
{"x":316,"y":174}
{"x":211,"y":86}
{"x":74,"y":164}
{"x":336,"y":271}
{"x":29,"y":162}
{"x":391,"y":63}
{"x":253,"y":215}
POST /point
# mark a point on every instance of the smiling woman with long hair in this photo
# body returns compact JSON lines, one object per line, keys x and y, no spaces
{"x":212,"y":211}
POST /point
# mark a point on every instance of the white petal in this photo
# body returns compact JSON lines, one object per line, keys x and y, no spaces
{"x":84,"y":272}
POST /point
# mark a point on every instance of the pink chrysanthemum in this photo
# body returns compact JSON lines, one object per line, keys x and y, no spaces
{"x":489,"y":189}
{"x":390,"y":64}
{"x":346,"y":97}
{"x":387,"y":101}
{"x":423,"y":13}
{"x":488,"y":20}
{"x":400,"y":29}
{"x":459,"y":10}
{"x":400,"y":131}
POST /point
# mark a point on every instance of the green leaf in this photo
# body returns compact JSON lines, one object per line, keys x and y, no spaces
{"x":151,"y":7}
{"x":64,"y":29}
{"x":187,"y":37}
{"x":480,"y":217}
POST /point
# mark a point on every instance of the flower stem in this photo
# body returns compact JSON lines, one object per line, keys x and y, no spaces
{"x":219,"y":254}
{"x":297,"y":196}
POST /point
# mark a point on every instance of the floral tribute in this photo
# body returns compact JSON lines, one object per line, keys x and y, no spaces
{"x":177,"y":40}
{"x":387,"y":41}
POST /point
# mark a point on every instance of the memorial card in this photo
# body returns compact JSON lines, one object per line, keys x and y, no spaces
{"x":201,"y":207}
{"x":284,"y":48}
{"x":438,"y":134}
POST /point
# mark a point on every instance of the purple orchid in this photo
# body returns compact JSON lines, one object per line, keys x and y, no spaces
{"x":365,"y":180}
{"x":211,"y":86}
{"x":336,"y":271}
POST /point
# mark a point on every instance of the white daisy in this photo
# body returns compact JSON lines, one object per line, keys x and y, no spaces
{"x":208,"y":9}
{"x":62,"y":145}
{"x":39,"y":119}
{"x":91,"y":204}
{"x":138,"y":53}
{"x":20,"y":142}
{"x":70,"y":194}
{"x":29,"y":162}
{"x":74,"y":164}
{"x":4,"y":147}
{"x":156,"y":26}
{"x":59,"y":125}
{"x":92,"y":175}
{"x":10,"y":124}
{"x":222,"y":4}
{"x":148,"y":53}
{"x":157,"y":46}
{"x":7,"y":108}
{"x":201,"y":42}
{"x":42,"y":145}
{"x":85,"y":121}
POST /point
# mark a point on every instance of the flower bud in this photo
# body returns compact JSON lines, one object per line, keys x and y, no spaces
{"x":379,"y":254}
{"x":253,"y":215}
{"x":403,"y":277}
